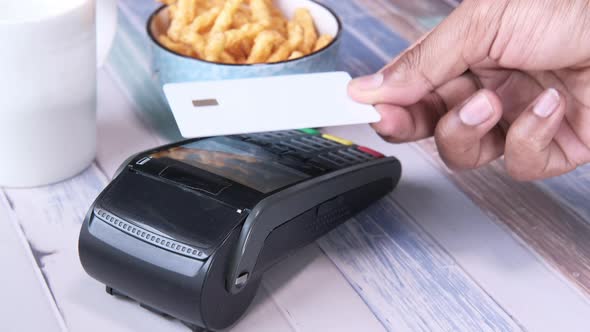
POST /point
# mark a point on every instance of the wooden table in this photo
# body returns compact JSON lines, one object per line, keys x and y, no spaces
{"x":473,"y":251}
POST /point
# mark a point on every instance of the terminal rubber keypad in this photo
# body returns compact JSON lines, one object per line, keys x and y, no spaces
{"x":309,"y":151}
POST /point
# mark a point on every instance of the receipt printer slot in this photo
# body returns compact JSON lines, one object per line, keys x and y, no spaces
{"x":204,"y":182}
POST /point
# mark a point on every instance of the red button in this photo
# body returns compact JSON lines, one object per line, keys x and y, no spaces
{"x":371,"y":152}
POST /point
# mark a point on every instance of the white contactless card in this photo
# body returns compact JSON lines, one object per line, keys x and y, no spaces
{"x":213,"y":108}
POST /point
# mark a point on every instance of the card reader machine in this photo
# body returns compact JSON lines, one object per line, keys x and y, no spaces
{"x":188,"y":229}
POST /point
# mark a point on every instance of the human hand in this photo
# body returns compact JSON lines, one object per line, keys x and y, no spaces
{"x":497,"y":77}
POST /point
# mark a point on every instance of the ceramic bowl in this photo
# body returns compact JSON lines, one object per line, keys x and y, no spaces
{"x":170,"y":67}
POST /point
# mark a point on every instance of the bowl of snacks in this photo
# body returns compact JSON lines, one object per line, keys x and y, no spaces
{"x":199,"y":40}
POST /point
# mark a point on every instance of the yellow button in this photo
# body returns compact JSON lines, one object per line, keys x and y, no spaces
{"x":337,"y":139}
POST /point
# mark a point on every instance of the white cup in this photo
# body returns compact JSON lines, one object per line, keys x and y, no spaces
{"x":47,"y":90}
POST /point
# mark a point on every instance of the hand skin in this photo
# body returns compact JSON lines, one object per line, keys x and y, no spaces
{"x":497,"y":77}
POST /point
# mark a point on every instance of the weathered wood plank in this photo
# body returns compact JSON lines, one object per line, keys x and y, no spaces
{"x":50,"y":218}
{"x":113,"y":119}
{"x":509,"y":272}
{"x":410,"y":283}
{"x":572,"y":189}
{"x":129,"y":65}
{"x":313,"y":287}
{"x":410,"y":19}
{"x":554,"y":230}
{"x":24,"y":289}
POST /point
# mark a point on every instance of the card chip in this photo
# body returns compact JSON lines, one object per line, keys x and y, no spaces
{"x":205,"y":102}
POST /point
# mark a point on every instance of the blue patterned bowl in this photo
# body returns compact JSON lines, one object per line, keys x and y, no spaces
{"x":171,"y":67}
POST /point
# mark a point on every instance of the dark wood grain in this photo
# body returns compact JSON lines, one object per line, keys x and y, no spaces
{"x":555,"y":231}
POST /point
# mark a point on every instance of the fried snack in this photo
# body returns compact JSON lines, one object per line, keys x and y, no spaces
{"x":201,"y":6}
{"x":295,"y":32}
{"x":216,"y":3}
{"x":295,"y":55}
{"x":281,"y":53}
{"x":184,"y":13}
{"x":195,"y":41}
{"x":239,"y":31}
{"x":261,"y":12}
{"x":246,"y":47}
{"x":172,"y":11}
{"x":204,"y":21}
{"x":322,"y":42}
{"x":264,"y":44}
{"x":275,"y":11}
{"x":279,"y":24}
{"x":225,"y":57}
{"x":303,"y":18}
{"x":241,"y":49}
{"x":224,"y":20}
{"x":190,"y":34}
{"x":241,"y":18}
{"x":174,"y":46}
{"x":215,"y":46}
{"x":247,"y":31}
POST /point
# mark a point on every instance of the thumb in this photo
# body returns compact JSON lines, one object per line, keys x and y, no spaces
{"x":463,"y":38}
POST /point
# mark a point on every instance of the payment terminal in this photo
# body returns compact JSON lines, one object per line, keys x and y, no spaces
{"x":188,"y":229}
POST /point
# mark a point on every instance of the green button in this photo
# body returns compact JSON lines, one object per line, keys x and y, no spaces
{"x":310,"y":131}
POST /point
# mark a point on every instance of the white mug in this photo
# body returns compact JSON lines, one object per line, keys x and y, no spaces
{"x":47,"y":90}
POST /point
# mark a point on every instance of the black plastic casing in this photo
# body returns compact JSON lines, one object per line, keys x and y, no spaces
{"x":192,"y":284}
{"x":187,"y":289}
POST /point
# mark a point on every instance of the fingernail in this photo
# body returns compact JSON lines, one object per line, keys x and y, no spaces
{"x":369,"y":82}
{"x":547,"y":104}
{"x":476,"y":111}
